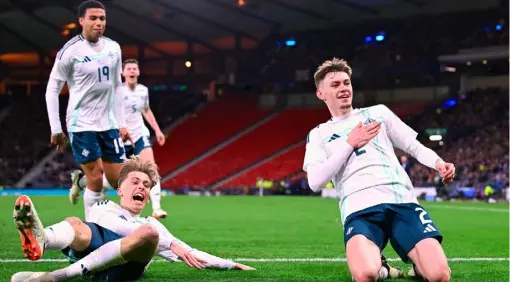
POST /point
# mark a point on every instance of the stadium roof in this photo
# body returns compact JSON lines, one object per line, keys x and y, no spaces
{"x":36,"y":25}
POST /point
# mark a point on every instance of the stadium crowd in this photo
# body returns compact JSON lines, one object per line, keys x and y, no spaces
{"x":476,"y":141}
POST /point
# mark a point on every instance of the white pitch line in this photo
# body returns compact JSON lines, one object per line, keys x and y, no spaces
{"x":274,"y":260}
{"x":467,"y":208}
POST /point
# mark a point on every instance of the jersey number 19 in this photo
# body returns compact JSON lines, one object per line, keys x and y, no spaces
{"x":104,"y":71}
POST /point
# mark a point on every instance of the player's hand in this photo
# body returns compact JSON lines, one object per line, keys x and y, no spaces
{"x":361,"y":135}
{"x":60,"y":141}
{"x":446,"y":170}
{"x":124,"y":134}
{"x":186,"y":256}
{"x":160,"y":138}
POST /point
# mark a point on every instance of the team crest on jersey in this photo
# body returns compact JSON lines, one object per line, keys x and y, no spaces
{"x":369,"y":121}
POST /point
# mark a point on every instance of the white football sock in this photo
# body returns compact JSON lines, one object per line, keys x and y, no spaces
{"x":59,"y":236}
{"x":106,"y":184}
{"x":89,"y":199}
{"x":156,"y":196}
{"x":105,"y":256}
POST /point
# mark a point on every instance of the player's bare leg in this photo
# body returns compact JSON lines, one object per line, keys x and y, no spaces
{"x":94,"y":178}
{"x":112,"y":172}
{"x":430,"y":261}
{"x":363,"y":259}
{"x":147,"y":154}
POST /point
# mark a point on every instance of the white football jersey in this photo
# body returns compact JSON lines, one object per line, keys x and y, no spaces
{"x":371,"y":175}
{"x":112,"y":216}
{"x":101,"y":208}
{"x":135,"y":102}
{"x":91,"y":74}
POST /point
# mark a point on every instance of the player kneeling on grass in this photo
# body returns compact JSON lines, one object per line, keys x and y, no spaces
{"x":116,"y":244}
{"x":355,"y":149}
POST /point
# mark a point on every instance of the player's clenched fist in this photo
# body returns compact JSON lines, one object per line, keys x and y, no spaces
{"x":361,"y":135}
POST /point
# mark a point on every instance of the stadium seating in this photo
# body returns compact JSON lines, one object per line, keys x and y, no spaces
{"x":208,"y":128}
{"x":277,"y":168}
{"x":287,"y":128}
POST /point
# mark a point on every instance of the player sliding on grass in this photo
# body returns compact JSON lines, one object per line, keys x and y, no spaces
{"x":116,"y":244}
{"x":136,"y":107}
{"x":355,"y":150}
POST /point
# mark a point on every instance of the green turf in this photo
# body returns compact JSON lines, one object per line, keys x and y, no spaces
{"x":281,"y":227}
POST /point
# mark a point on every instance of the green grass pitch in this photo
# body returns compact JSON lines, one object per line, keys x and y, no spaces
{"x":254,"y":228}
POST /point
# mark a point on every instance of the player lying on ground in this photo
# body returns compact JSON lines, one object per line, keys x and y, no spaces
{"x":91,"y":64}
{"x":355,"y":150}
{"x":136,"y":108}
{"x":116,"y":244}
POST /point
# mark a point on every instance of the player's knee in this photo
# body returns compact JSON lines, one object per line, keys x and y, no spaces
{"x":74,"y":221}
{"x":366,"y":273}
{"x":146,"y":235}
{"x":438,"y":273}
{"x":82,"y":233}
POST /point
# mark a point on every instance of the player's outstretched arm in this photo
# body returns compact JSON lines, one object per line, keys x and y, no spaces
{"x":177,"y":249}
{"x":319,"y":167}
{"x":200,"y":259}
{"x":404,"y":138}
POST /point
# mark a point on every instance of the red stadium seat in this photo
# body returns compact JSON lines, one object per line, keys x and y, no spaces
{"x":210,"y":127}
{"x":287,"y":128}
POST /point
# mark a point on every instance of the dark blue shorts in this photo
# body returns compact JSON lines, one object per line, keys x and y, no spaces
{"x":89,"y":146}
{"x":129,"y":271}
{"x":403,"y":224}
{"x":140,"y":144}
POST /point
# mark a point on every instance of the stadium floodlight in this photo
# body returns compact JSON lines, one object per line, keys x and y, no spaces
{"x":435,"y":137}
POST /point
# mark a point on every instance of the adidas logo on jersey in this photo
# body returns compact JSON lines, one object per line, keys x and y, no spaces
{"x":333,"y":137}
{"x":84,"y":60}
{"x":429,"y":228}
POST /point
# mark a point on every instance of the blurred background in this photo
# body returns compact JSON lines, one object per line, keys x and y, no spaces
{"x":231,"y":83}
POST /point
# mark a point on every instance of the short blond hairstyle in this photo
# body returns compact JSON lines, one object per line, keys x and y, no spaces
{"x":136,"y":164}
{"x":334,"y":65}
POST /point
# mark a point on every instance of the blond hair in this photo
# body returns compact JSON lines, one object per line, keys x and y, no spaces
{"x":136,"y":164}
{"x":334,"y":65}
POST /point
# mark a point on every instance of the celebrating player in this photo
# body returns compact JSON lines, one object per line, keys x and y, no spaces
{"x":136,"y":106}
{"x":91,"y":65}
{"x":355,"y":150}
{"x":116,"y":244}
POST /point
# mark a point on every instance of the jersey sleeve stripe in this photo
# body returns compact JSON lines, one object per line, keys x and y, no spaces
{"x":69,"y":44}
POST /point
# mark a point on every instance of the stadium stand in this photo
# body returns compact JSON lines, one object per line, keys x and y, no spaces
{"x":212,"y":146}
{"x":477,"y":140}
{"x":276,"y":134}
{"x":206,"y":129}
{"x":276,"y":168}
